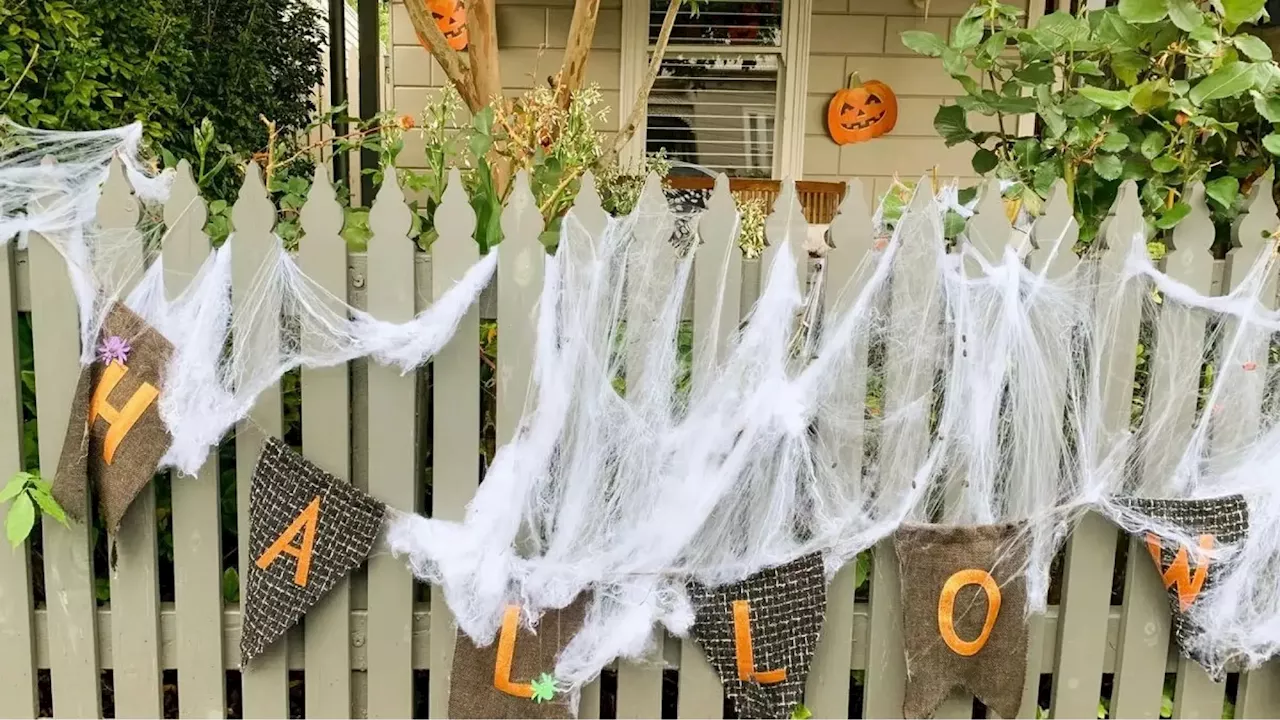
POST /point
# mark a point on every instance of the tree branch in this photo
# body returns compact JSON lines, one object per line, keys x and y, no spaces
{"x":483,"y":50}
{"x":578,"y":48}
{"x":640,"y":107}
{"x":430,"y":35}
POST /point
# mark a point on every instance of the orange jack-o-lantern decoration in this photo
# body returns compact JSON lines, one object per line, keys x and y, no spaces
{"x":861,"y":112}
{"x":451,"y":18}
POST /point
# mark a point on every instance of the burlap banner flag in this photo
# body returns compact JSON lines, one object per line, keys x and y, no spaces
{"x":760,"y":634}
{"x":963,"y":601}
{"x":115,"y":437}
{"x":512,"y":677}
{"x":1187,"y":573}
{"x":307,"y":530}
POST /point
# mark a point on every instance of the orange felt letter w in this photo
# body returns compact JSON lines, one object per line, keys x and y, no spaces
{"x":744,"y":651}
{"x":305,"y":523}
{"x":1179,"y":572}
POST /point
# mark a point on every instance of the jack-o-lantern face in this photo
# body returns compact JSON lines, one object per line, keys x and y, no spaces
{"x":862,"y":112}
{"x":451,"y":18}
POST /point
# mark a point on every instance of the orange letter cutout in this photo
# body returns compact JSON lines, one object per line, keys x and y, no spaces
{"x":1179,"y":573}
{"x":305,"y":523}
{"x":507,"y":651}
{"x":947,"y":606}
{"x":745,"y":653}
{"x":122,"y":420}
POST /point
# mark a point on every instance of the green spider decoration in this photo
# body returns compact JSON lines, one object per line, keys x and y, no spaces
{"x":544,"y":688}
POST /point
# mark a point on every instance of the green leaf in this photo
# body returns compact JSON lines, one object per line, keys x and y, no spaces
{"x":1223,"y":191}
{"x":482,"y":122}
{"x":952,"y":124}
{"x":1241,"y":11}
{"x":1253,"y":47}
{"x":984,"y":161}
{"x":800,"y":712}
{"x":1046,"y":174}
{"x":1272,"y":143}
{"x":1268,"y":106}
{"x":952,"y":224}
{"x":1153,"y":144}
{"x":1015,"y":105}
{"x":924,"y":43}
{"x":954,"y":62}
{"x":1108,"y":167}
{"x":1151,"y":95}
{"x":1127,"y":65}
{"x":15,"y":485}
{"x":1229,"y":80}
{"x":1088,"y":67}
{"x":1172,"y":216}
{"x":49,"y":506}
{"x":1164,"y":164}
{"x":1115,"y":142}
{"x":1144,"y":11}
{"x":1109,"y":99}
{"x":230,"y":585}
{"x":1038,"y":73}
{"x":1078,"y":106}
{"x":20,"y":520}
{"x":1185,"y":14}
{"x":968,"y":33}
{"x":1059,"y":30}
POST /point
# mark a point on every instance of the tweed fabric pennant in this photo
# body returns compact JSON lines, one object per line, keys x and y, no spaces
{"x":511,"y":676}
{"x":1187,"y":573}
{"x":760,"y":634}
{"x":963,"y":601}
{"x":115,"y":437}
{"x":307,"y":530}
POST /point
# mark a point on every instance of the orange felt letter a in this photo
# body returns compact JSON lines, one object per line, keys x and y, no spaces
{"x":305,"y":523}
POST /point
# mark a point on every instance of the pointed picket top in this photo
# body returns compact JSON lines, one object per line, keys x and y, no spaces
{"x":1253,"y":234}
{"x":851,"y":242}
{"x":654,"y":221}
{"x":988,"y":231}
{"x":521,"y":220}
{"x":718,"y":224}
{"x":1123,"y":227}
{"x":321,"y":214}
{"x":117,"y":204}
{"x":1054,"y":236}
{"x":253,"y":209}
{"x":390,"y":217}
{"x":786,"y":228}
{"x":185,"y":204}
{"x":455,"y":219}
{"x":587,"y":208}
{"x":1189,"y":259}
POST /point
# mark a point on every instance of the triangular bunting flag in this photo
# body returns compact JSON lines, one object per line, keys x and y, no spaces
{"x":760,"y":634}
{"x":115,"y":437}
{"x":1187,"y":573}
{"x":512,"y":676}
{"x":963,"y":600}
{"x":307,"y":530}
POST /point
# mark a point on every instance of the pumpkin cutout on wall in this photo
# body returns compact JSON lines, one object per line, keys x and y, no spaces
{"x":451,"y":18}
{"x":861,"y":112}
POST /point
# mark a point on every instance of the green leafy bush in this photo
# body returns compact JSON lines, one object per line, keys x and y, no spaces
{"x":1165,"y":92}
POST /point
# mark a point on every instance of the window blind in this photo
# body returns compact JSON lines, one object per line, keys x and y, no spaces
{"x":733,"y":23}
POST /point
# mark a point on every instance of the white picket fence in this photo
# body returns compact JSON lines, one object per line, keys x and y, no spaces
{"x":359,"y":650}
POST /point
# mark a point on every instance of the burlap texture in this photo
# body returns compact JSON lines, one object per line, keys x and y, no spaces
{"x":472,"y":692}
{"x":284,"y":484}
{"x":786,"y":607}
{"x":929,"y":556}
{"x":83,"y":460}
{"x":1225,"y":518}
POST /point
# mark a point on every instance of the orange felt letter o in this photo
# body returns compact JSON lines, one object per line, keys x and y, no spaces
{"x":947,"y":605}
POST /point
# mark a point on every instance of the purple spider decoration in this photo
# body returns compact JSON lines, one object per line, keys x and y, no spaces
{"x":114,"y":349}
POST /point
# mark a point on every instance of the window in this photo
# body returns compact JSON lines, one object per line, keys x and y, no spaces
{"x":715,"y":100}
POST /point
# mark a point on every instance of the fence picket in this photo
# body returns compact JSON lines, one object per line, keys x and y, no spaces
{"x":326,"y":441}
{"x":68,"y":554}
{"x":18,"y":697}
{"x":135,"y":641}
{"x":197,"y":533}
{"x":265,"y":683}
{"x":455,"y":468}
{"x":640,"y":682}
{"x":520,"y":263}
{"x":1052,"y":256}
{"x":916,"y":303}
{"x":786,"y":227}
{"x":1258,"y":695}
{"x":847,"y":266}
{"x":717,"y":265}
{"x":392,"y":454}
{"x":1090,"y":554}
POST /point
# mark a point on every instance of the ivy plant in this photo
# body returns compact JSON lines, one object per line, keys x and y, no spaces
{"x":25,"y":492}
{"x":1164,"y":92}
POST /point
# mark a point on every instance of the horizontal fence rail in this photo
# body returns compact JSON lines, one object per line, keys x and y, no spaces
{"x":380,"y":645}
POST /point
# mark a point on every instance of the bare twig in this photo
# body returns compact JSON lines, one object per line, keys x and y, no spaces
{"x":35,"y":52}
{"x":640,"y":107}
{"x":449,"y":59}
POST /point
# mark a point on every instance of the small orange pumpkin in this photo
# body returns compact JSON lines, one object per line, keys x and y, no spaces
{"x":451,"y":18}
{"x":861,"y":112}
